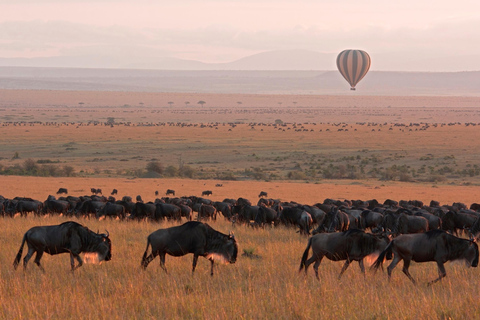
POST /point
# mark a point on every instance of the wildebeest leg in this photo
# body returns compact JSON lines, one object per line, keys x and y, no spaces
{"x":194,"y":264}
{"x":392,"y":265}
{"x":37,"y":260}
{"x":147,"y":260}
{"x":211,"y":272}
{"x":310,"y":261}
{"x":441,"y":273}
{"x":315,"y":267}
{"x":29,"y":254}
{"x":406,"y":264}
{"x":345,"y":266}
{"x":162,"y":262}
{"x":362,"y":267}
{"x":72,"y":261}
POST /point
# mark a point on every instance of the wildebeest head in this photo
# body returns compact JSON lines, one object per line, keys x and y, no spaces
{"x":225,"y":251}
{"x":103,"y":248}
{"x":471,"y":254}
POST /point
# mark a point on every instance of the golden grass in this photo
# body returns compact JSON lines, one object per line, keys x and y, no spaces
{"x":267,"y":287}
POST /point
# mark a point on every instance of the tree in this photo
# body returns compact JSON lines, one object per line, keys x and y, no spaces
{"x":187,"y":103}
{"x":201,"y":102}
{"x":69,"y":171}
{"x":30,"y":166}
{"x":170,"y":103}
{"x":155,"y":166}
{"x":110,"y":121}
{"x":239,"y":103}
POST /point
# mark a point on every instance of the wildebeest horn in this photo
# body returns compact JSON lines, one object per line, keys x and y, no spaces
{"x":231,"y":234}
{"x":106,"y":235}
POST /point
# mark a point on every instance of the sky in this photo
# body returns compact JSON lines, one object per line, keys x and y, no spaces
{"x":408,"y":35}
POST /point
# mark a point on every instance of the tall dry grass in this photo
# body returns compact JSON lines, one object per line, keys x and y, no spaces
{"x":266,"y":287}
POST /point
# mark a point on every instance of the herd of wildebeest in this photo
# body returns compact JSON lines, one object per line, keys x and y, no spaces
{"x":348,"y":230}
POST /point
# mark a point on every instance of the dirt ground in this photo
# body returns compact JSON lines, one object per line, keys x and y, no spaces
{"x":59,"y":106}
{"x":125,"y":145}
{"x":39,"y":188}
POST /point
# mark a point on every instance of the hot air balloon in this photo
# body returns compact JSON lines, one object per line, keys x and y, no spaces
{"x":353,"y":65}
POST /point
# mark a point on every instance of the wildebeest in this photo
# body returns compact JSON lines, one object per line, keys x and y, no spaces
{"x":207,"y":193}
{"x":434,"y":245}
{"x":170,"y":191}
{"x":111,"y":210}
{"x":56,"y":206}
{"x":263,"y":194}
{"x":114,"y":191}
{"x":62,"y":190}
{"x":336,"y":220}
{"x":206,"y":212}
{"x":296,"y":216}
{"x":96,"y":191}
{"x":28,"y":205}
{"x":191,"y":237}
{"x":350,"y":245}
{"x":68,"y":237}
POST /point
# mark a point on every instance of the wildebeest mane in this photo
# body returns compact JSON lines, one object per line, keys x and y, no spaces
{"x":454,"y":246}
{"x":365,"y":243}
{"x":214,"y":238}
{"x":88,"y":238}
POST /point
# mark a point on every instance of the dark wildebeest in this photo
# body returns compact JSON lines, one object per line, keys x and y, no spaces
{"x":207,"y":193}
{"x":244,"y":214}
{"x":206,"y":212}
{"x":56,"y":206}
{"x":62,"y":190}
{"x":434,"y":245}
{"x":350,"y":245}
{"x":114,"y":191}
{"x":191,"y":237}
{"x":68,"y":237}
{"x":265,"y":216}
{"x":168,"y":211}
{"x":224,"y":208}
{"x":111,"y":210}
{"x":263,"y":194}
{"x":455,"y":221}
{"x":143,"y":210}
{"x":371,"y":219}
{"x":170,"y":191}
{"x":336,"y":220}
{"x":96,"y":191}
{"x":410,"y":224}
{"x":296,"y":216}
{"x":30,"y":205}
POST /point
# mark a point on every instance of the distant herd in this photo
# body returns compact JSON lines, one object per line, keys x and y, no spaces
{"x":347,"y":230}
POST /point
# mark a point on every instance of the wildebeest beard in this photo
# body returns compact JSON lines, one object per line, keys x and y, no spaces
{"x":92,"y":243}
{"x":218,"y":250}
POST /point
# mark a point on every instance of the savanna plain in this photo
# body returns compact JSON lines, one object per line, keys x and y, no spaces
{"x":296,"y":148}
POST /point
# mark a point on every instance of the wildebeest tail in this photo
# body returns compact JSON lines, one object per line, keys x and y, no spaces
{"x":305,"y":255}
{"x":144,"y":258}
{"x":379,"y":262}
{"x":20,"y":252}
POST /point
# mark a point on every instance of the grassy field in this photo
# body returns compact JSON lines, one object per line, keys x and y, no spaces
{"x":268,"y":287}
{"x":265,"y":287}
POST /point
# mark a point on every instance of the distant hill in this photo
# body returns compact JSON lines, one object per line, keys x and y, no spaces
{"x":271,"y":60}
{"x":247,"y":82}
{"x":279,"y":60}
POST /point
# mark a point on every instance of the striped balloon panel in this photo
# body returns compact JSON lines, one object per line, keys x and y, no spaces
{"x":353,"y":65}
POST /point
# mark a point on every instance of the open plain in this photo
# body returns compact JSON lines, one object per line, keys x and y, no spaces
{"x":246,"y":144}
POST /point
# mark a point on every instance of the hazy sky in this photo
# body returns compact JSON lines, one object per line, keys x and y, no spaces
{"x":402,"y":34}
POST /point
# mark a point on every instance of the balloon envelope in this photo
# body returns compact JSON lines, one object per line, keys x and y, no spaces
{"x":353,"y":65}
